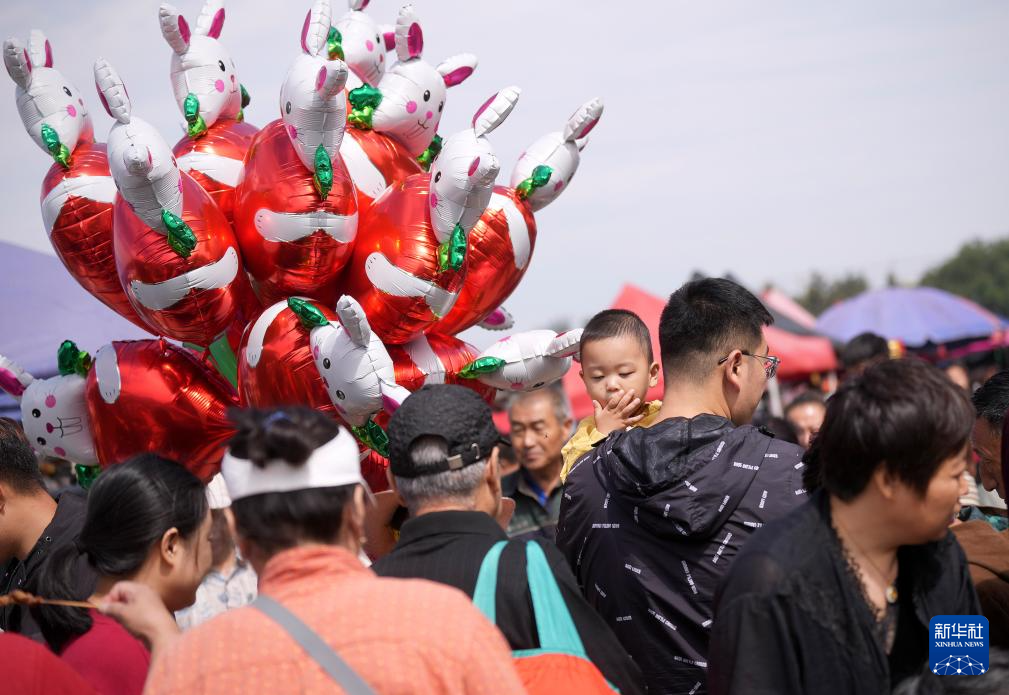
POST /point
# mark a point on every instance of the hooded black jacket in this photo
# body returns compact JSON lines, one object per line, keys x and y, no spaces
{"x":650,"y":522}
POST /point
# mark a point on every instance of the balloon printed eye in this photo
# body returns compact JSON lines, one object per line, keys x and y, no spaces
{"x":220,"y":64}
{"x":539,"y":384}
{"x":437,"y":177}
{"x":326,"y":364}
{"x":36,"y":412}
{"x":341,"y":395}
{"x":66,"y":90}
{"x":441,"y":106}
{"x":287,"y":108}
{"x":427,"y":95}
{"x":41,"y":441}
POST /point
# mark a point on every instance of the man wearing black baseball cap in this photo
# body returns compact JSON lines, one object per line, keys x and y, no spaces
{"x":443,"y":458}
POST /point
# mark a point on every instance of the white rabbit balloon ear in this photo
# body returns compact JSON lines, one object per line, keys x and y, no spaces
{"x":583,"y":120}
{"x":112,"y":91}
{"x":18,"y":63}
{"x":13,"y":379}
{"x":456,"y":69}
{"x":393,"y":396}
{"x":565,"y":345}
{"x":358,"y":5}
{"x":331,"y":79}
{"x":211,"y":19}
{"x":354,"y":321}
{"x":174,"y":28}
{"x":316,"y":28}
{"x":39,"y":50}
{"x":409,"y":35}
{"x":495,"y":110}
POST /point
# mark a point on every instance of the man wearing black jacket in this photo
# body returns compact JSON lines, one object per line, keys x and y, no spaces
{"x":32,"y":525}
{"x":444,"y":461}
{"x":652,"y":519}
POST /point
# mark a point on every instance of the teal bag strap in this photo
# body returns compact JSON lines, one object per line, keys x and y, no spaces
{"x":485,"y":593}
{"x":557,"y":631}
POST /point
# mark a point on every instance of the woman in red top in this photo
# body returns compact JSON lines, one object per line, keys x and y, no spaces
{"x":147,"y":521}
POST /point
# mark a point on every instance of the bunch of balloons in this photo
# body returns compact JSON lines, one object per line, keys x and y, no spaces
{"x":327,"y":259}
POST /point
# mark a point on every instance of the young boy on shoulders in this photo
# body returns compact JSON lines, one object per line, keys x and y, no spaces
{"x":618,"y":368}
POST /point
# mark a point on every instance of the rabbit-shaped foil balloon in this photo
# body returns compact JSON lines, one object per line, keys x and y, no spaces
{"x":133,"y":397}
{"x":211,"y":99}
{"x":525,"y":361}
{"x":176,"y":255}
{"x":78,"y":190}
{"x":409,"y":262}
{"x":502,"y":242}
{"x":407,"y":104}
{"x":54,"y":412}
{"x":296,"y":213}
{"x":355,"y":367}
{"x":360,"y":42}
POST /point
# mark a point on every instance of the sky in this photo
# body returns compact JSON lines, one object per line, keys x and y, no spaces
{"x":767,"y":139}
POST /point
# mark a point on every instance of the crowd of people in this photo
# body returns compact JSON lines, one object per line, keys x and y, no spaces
{"x":685,"y":545}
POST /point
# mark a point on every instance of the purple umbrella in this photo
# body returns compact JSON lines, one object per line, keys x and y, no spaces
{"x":914,"y":315}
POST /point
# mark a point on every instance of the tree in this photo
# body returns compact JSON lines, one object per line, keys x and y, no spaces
{"x":979,"y":272}
{"x":820,"y":293}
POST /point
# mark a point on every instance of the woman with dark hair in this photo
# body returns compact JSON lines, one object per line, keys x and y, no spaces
{"x":147,"y":521}
{"x":837,"y":596}
{"x":322,"y":618}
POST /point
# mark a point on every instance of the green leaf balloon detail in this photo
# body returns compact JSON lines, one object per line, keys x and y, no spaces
{"x":180,"y":236}
{"x":86,"y":475}
{"x":373,"y":436}
{"x":427,"y":157}
{"x":334,"y":44}
{"x":309,"y":314}
{"x":481,"y":365}
{"x":323,"y":178}
{"x":195,"y":125}
{"x":363,"y":101}
{"x":452,"y":253}
{"x":57,"y":149}
{"x":541,"y":175}
{"x":70,"y":360}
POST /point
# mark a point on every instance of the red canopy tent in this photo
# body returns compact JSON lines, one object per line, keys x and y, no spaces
{"x":800,"y":355}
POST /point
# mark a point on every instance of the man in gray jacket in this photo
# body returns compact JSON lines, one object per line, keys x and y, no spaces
{"x":652,"y":518}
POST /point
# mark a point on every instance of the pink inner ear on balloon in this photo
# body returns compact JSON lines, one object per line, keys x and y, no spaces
{"x":364,"y":4}
{"x":28,"y":61}
{"x":588,"y":128}
{"x":483,"y":108}
{"x":320,"y":79}
{"x":49,"y":54}
{"x":217,"y":24}
{"x":457,"y":76}
{"x":415,"y":40}
{"x":473,"y":166}
{"x":389,"y":405}
{"x":105,"y":103}
{"x":304,"y":32}
{"x":184,"y":29}
{"x":390,"y":40}
{"x":10,"y":383}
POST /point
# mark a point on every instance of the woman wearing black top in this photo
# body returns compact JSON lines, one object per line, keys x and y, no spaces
{"x":836,"y":597}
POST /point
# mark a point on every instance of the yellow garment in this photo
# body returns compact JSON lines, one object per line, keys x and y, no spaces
{"x":587,"y":436}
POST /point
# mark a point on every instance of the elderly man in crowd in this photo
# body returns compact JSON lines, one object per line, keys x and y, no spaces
{"x":444,"y":458}
{"x":540,"y":425}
